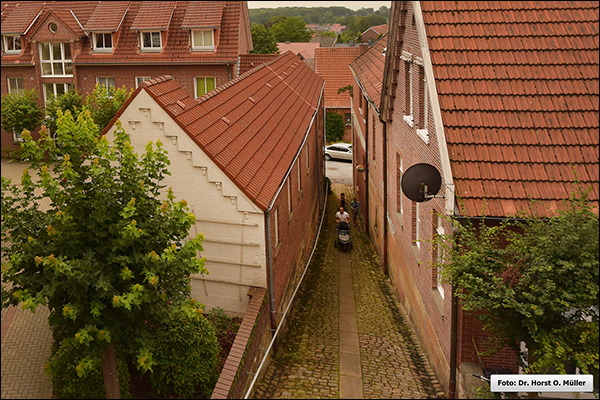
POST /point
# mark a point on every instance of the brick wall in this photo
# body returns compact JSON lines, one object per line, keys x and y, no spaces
{"x":294,"y":229}
{"x":125,"y":74}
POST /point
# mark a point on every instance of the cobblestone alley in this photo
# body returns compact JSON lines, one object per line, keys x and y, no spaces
{"x":347,"y":335}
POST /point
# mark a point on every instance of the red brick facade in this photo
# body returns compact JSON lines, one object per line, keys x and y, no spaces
{"x":126,"y":61}
{"x":295,"y":228}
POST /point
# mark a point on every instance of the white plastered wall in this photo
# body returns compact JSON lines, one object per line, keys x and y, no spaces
{"x":233,"y":226}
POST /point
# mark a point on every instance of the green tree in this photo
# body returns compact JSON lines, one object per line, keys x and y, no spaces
{"x":334,"y":127}
{"x":263,"y":40}
{"x":70,"y":100}
{"x":292,"y":29}
{"x":541,"y":287}
{"x":109,"y":256}
{"x":21,"y":112}
{"x":274,"y":20}
{"x":104,"y":103}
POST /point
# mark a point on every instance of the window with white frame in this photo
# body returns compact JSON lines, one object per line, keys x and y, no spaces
{"x":307,"y":158}
{"x":11,"y":44}
{"x":151,"y":40}
{"x":204,"y":85}
{"x":15,"y":85}
{"x":408,"y":100}
{"x":56,"y":59}
{"x":276,"y":223}
{"x":299,"y":177}
{"x":416,"y":224}
{"x":106,"y":81}
{"x":289,"y":195}
{"x":421,"y":123}
{"x":140,"y":79}
{"x":103,"y":41}
{"x":398,"y":183}
{"x":203,"y":40}
{"x":56,"y":89}
{"x":439,"y":255}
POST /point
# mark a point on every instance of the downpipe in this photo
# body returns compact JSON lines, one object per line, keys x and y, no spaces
{"x":273,"y":312}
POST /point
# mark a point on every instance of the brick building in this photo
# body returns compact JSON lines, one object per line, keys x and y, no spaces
{"x":367,"y":137}
{"x":374,"y":33}
{"x":58,"y":46}
{"x":495,"y":106}
{"x":249,"y":165}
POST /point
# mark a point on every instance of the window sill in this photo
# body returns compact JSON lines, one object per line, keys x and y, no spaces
{"x":438,"y":300}
{"x":409,"y":120}
{"x":57,"y":76}
{"x":103,"y":51}
{"x":11,"y":52}
{"x":207,"y":49}
{"x":423,"y":134}
{"x":150,"y":50}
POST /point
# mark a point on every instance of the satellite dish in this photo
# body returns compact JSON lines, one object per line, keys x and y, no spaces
{"x":421,"y":182}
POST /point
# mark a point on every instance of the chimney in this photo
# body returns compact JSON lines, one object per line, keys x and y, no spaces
{"x":351,"y":42}
{"x":362,"y":48}
{"x":287,"y":42}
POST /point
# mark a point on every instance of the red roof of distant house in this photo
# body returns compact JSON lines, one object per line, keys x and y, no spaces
{"x":380,"y":29}
{"x":107,"y":16}
{"x":207,"y":15}
{"x":251,"y":127}
{"x":249,"y":61}
{"x":368,"y":68}
{"x":299,"y":47}
{"x":175,"y":16}
{"x":155,"y":15}
{"x":518,"y":87}
{"x":332,"y":64}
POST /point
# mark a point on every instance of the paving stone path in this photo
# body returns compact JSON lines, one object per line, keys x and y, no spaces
{"x":347,"y":336}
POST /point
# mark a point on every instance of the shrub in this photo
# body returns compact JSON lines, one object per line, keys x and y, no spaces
{"x":105,"y":102}
{"x":70,"y":100}
{"x":20,"y":112}
{"x":75,"y":374}
{"x":185,"y":355}
{"x":334,"y":127}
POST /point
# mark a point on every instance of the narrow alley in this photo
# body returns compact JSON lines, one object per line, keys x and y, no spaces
{"x":347,"y":336}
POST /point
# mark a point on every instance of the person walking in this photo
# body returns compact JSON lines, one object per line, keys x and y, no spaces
{"x":342,"y":216}
{"x":343,"y":201}
{"x":354,"y":206}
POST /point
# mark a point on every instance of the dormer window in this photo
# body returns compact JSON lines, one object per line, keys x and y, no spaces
{"x":203,"y":40}
{"x":11,"y":44}
{"x":151,"y":40}
{"x":103,"y":41}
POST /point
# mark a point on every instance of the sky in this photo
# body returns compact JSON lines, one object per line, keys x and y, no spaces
{"x":353,"y":5}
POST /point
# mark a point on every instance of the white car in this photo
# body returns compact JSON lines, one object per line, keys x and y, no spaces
{"x":338,"y":151}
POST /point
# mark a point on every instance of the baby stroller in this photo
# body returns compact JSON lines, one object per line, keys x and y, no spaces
{"x":343,"y":239}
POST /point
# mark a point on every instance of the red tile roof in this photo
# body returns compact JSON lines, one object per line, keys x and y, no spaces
{"x":20,"y":17}
{"x":251,"y":127}
{"x":332,"y":64}
{"x":518,"y":87}
{"x":368,"y":69}
{"x":206,"y":15}
{"x":175,"y":48}
{"x":249,"y":61}
{"x":299,"y":47}
{"x":107,"y":16}
{"x":154,"y":15}
{"x":380,"y":29}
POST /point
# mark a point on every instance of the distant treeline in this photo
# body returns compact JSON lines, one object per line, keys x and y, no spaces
{"x":318,"y":15}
